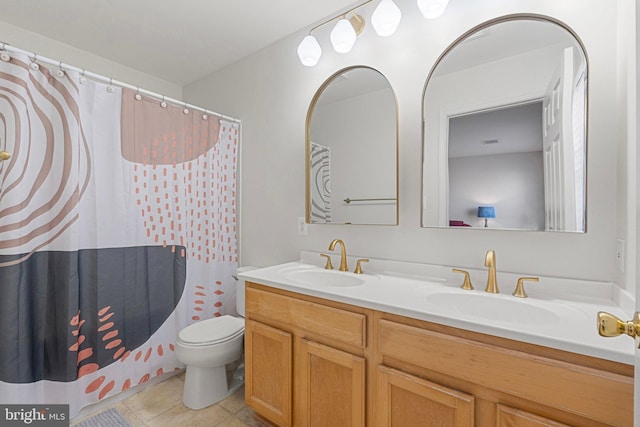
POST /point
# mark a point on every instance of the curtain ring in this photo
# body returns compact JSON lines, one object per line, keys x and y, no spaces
{"x":110,"y":88}
{"x":60,"y":72}
{"x":4,"y":55}
{"x":204,"y":115}
{"x":163,"y":104}
{"x":185,"y":110}
{"x":34,"y":65}
{"x":83,"y":79}
{"x":138,"y":96}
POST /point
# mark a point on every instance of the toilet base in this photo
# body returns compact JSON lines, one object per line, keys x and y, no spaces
{"x":206,"y":386}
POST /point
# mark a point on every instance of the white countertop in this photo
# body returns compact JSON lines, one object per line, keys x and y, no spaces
{"x":559,"y":313}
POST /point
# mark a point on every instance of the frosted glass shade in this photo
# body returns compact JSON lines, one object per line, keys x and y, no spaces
{"x":386,"y":18}
{"x":343,"y":36}
{"x":309,"y":51}
{"x":432,"y":9}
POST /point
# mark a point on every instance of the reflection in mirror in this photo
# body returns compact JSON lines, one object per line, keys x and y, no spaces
{"x":352,"y":150}
{"x":505,"y":129}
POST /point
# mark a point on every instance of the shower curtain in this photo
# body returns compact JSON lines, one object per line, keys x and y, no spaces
{"x":320,"y":183}
{"x":117,"y":229}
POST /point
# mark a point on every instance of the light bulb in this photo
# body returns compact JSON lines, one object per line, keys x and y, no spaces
{"x":386,"y":18}
{"x":343,"y":36}
{"x":432,"y":9}
{"x":309,"y":51}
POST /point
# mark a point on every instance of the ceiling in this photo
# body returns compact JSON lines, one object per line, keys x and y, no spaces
{"x":178,"y":41}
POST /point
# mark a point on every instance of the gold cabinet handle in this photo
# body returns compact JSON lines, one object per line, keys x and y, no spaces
{"x":328,"y":265}
{"x":4,"y":155}
{"x":611,"y":326}
{"x":519,"y":292}
{"x":358,"y":269}
{"x":466,"y":285}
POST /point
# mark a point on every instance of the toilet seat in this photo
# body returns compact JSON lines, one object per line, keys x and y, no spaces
{"x":212,"y":331}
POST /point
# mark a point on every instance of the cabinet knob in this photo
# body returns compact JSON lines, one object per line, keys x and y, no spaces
{"x":519,"y":292}
{"x":4,"y":155}
{"x":611,"y":326}
{"x":466,"y":285}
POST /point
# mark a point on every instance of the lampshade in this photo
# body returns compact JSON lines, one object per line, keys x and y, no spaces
{"x":431,"y":9}
{"x":343,"y":36}
{"x":486,"y":212}
{"x":386,"y":18}
{"x":309,"y":51}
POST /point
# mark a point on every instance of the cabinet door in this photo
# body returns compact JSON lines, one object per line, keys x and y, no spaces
{"x":331,"y":387}
{"x":268,"y":370}
{"x":511,"y":417}
{"x":406,"y":400}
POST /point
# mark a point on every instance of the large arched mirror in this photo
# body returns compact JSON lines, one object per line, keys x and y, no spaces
{"x":351,"y":156}
{"x":505,"y":130}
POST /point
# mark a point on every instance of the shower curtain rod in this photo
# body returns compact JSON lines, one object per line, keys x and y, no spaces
{"x":38,"y":58}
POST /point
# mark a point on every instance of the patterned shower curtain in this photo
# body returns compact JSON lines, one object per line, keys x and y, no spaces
{"x":320,"y":183}
{"x":117,"y":229}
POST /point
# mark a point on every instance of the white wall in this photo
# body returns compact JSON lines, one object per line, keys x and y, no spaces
{"x":271,"y":91}
{"x":512,"y":183}
{"x":41,"y":45}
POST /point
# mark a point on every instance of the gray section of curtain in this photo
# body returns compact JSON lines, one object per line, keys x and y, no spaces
{"x":60,"y":311}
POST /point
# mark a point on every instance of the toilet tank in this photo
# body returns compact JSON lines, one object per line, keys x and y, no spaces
{"x":240,"y":290}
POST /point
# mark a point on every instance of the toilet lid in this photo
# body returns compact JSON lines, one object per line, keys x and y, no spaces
{"x":211,"y":331}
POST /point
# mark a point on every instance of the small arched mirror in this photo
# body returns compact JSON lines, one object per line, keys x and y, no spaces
{"x":505,"y":129}
{"x":351,"y":156}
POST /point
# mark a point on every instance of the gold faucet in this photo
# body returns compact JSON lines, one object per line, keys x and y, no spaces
{"x":343,"y":253}
{"x":492,"y":282}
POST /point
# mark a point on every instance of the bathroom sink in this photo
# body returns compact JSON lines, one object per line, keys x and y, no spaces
{"x":498,"y":308}
{"x":330,"y":278}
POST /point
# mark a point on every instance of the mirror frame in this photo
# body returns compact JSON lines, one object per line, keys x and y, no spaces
{"x":307,"y":161}
{"x":459,"y":40}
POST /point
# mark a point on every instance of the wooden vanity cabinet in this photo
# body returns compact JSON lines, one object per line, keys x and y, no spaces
{"x":508,"y":383}
{"x":268,"y":371}
{"x":305,"y":359}
{"x":313,"y":362}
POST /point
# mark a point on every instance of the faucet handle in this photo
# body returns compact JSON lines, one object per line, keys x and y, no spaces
{"x":358,"y":269}
{"x":328,"y":265}
{"x":519,"y":292}
{"x":467,"y":279}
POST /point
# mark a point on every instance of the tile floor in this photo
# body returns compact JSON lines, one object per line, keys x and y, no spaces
{"x":161,"y":405}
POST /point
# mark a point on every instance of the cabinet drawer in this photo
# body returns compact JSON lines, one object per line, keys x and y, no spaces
{"x":588,"y":392}
{"x":340,"y":325}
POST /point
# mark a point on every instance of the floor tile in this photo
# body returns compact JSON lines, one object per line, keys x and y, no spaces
{"x":156,"y":399}
{"x":160,"y":405}
{"x":235,"y":402}
{"x":247,"y":416}
{"x":182,"y":416}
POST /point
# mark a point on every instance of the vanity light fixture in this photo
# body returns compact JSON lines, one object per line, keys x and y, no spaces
{"x":309,"y":51}
{"x":386,"y":18}
{"x":432,"y":9}
{"x":343,"y":36}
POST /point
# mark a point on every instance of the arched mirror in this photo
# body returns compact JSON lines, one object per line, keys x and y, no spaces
{"x":505,"y":130}
{"x":351,"y":156}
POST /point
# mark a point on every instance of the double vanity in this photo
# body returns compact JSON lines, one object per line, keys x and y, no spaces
{"x":404,"y":344}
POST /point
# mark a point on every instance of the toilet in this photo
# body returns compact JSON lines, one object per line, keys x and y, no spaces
{"x":212,"y":351}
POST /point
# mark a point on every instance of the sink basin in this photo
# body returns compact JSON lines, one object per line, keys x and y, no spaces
{"x":322,"y":278}
{"x":495,"y":308}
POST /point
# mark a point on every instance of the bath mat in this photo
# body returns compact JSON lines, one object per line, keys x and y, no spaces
{"x":109,"y":418}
